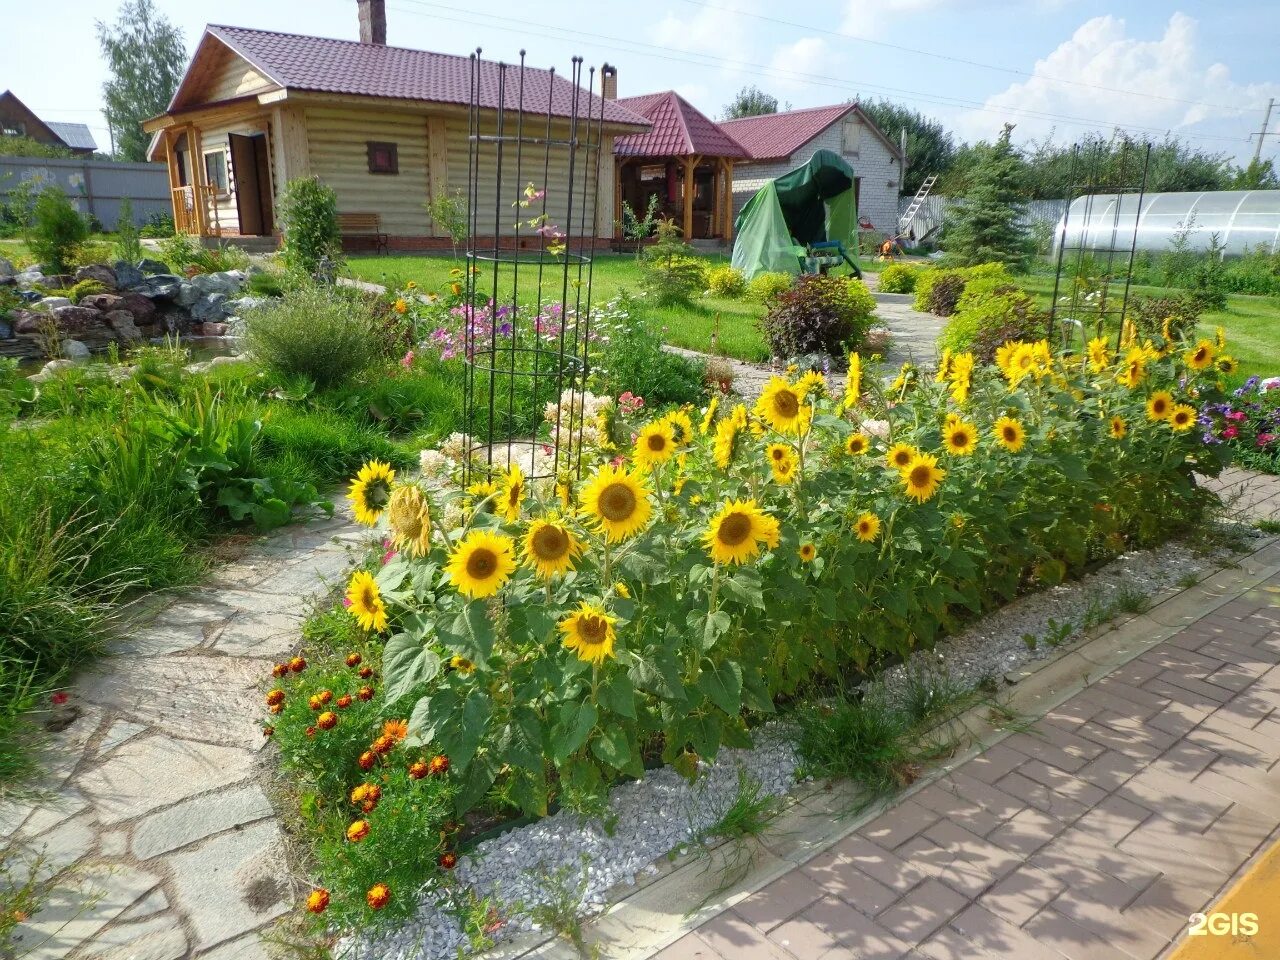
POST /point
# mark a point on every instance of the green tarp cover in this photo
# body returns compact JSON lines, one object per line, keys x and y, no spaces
{"x":810,"y":204}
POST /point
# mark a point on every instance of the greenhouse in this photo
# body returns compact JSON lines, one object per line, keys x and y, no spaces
{"x":1242,"y":220}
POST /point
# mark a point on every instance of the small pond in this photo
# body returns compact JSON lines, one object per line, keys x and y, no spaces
{"x":200,"y":349}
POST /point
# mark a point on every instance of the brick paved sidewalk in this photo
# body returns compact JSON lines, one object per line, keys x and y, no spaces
{"x":1091,"y":836}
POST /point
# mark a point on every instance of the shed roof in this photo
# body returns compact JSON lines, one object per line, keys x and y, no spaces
{"x":775,"y":136}
{"x":74,"y":135}
{"x":679,"y":130}
{"x":322,"y":64}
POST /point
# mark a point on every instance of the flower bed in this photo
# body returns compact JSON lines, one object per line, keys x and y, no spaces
{"x":546,"y":640}
{"x":1248,"y":423}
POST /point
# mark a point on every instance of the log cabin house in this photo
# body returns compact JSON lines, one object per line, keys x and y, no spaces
{"x":385,"y":127}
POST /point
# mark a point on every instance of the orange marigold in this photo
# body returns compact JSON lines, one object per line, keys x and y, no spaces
{"x":344,"y":701}
{"x":439,"y":764}
{"x":274,"y":697}
{"x":279,"y":670}
{"x":277,"y":707}
{"x":314,"y":702}
{"x":311,"y":731}
{"x":353,"y":659}
{"x":318,"y":900}
{"x":418,"y":769}
{"x":325,"y":696}
{"x":383,"y":744}
{"x":397,"y":730}
{"x":366,"y":673}
{"x":378,"y":896}
{"x":368,"y":759}
{"x":328,"y":720}
{"x":297,"y":664}
{"x":358,"y":831}
{"x":268,"y":731}
{"x":365,"y":693}
{"x":449,"y":860}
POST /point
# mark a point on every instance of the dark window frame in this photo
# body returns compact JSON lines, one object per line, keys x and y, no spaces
{"x":391,"y":165}
{"x":222,"y":183}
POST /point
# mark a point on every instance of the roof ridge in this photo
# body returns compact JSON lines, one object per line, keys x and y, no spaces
{"x":681,"y":103}
{"x":787,"y":113}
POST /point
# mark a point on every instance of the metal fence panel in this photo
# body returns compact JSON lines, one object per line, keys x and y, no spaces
{"x":95,"y":186}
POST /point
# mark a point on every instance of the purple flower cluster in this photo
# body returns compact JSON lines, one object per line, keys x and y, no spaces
{"x":1250,"y":420}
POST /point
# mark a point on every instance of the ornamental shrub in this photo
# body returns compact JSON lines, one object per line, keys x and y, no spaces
{"x":765,"y":286}
{"x":726,"y":281}
{"x":1149,"y":315}
{"x":952,"y":281}
{"x":989,"y":314}
{"x":672,"y":273}
{"x":309,"y":220}
{"x":820,"y":314}
{"x":56,"y":230}
{"x":322,"y":334}
{"x":899,"y":278}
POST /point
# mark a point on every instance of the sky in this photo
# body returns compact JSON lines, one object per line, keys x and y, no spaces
{"x":1202,"y":69}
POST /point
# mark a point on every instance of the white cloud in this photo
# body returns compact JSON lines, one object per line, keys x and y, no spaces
{"x":706,"y":29}
{"x":1122,"y":80}
{"x":872,"y":18}
{"x":808,"y":55}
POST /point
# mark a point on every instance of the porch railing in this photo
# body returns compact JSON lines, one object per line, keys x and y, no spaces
{"x":187,"y":218}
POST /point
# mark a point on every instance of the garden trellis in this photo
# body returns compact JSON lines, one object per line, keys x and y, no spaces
{"x":527,"y":309}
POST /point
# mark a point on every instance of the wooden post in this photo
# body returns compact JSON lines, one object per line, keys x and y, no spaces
{"x":197,"y":180}
{"x":728,"y":202}
{"x":690,"y":164}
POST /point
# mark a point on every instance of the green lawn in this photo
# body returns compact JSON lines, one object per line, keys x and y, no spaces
{"x":1252,"y":323}
{"x":691,"y":327}
{"x":13,"y":250}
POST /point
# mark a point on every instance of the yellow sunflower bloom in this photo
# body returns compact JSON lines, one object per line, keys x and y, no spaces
{"x":1010,"y":434}
{"x":1159,"y":405}
{"x":589,"y":633}
{"x":462,"y":665}
{"x":906,"y":373}
{"x":1183,"y":417}
{"x":961,"y":376}
{"x":812,"y":382}
{"x":735,"y":534}
{"x":618,"y":501}
{"x":1117,"y":428}
{"x":409,"y":520}
{"x":1099,"y":355}
{"x":709,"y":416}
{"x":1004,"y":355}
{"x":900,"y":455}
{"x":867,"y":527}
{"x":807,"y":552}
{"x":1226,"y":365}
{"x":944,"y":366}
{"x":853,"y":381}
{"x":364,"y":601}
{"x":1133,"y":369}
{"x":960,"y":438}
{"x":1200,"y":356}
{"x":481,"y":563}
{"x":681,"y":427}
{"x":922,"y":476}
{"x":857,"y":444}
{"x":511,"y":497}
{"x":782,"y":461}
{"x":1220,"y":338}
{"x":781,"y":405}
{"x":370,"y":491}
{"x":550,"y":547}
{"x":726,"y":438}
{"x":655,"y":444}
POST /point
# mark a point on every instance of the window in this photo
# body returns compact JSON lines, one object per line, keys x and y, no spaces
{"x":215,"y":171}
{"x":382,"y":157}
{"x":850,"y":136}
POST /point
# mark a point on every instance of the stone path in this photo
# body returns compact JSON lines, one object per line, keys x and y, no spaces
{"x":1248,"y":492}
{"x":1092,"y":835}
{"x":157,"y":785}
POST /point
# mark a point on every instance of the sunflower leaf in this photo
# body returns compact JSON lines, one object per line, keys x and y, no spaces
{"x":722,"y":685}
{"x":612,"y":747}
{"x":572,"y":729}
{"x":405,"y":664}
{"x":616,"y":694}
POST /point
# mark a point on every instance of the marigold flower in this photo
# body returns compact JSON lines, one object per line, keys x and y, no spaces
{"x":276,"y":696}
{"x":325,"y":696}
{"x":279,"y":670}
{"x":311,"y":731}
{"x":367,"y":759}
{"x":365,"y":693}
{"x":358,"y":831}
{"x":418,"y":769}
{"x":366,"y":673}
{"x":397,"y":730}
{"x":297,"y":664}
{"x":344,"y":701}
{"x":328,"y":720}
{"x":353,"y":659}
{"x":314,"y":702}
{"x":318,"y":900}
{"x":439,"y":765}
{"x":448,"y":860}
{"x":268,"y":731}
{"x":378,"y":896}
{"x":383,"y":744}
{"x":276,"y":707}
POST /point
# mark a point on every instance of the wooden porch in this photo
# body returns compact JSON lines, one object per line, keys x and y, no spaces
{"x":696,"y":192}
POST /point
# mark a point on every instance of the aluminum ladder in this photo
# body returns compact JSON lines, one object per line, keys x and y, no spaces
{"x":917,"y":202}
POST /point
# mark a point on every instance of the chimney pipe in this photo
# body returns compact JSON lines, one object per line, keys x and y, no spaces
{"x":609,"y":82}
{"x":373,"y":21}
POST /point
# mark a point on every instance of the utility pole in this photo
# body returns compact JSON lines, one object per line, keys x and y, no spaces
{"x":1262,"y":134}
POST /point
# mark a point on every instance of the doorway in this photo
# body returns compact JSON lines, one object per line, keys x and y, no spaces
{"x":252,"y":171}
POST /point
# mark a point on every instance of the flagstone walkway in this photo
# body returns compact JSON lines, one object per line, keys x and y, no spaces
{"x":1092,"y":835}
{"x":157,"y":783}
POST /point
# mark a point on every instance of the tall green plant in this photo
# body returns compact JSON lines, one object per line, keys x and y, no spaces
{"x":128,"y":242}
{"x":56,"y":230}
{"x":309,"y":216}
{"x":448,"y":211}
{"x":146,"y":57}
{"x":986,"y":224}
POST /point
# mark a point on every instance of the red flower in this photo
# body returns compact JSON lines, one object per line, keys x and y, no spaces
{"x":311,"y":731}
{"x":275,"y":697}
{"x":418,"y":769}
{"x":365,"y":693}
{"x":344,"y":701}
{"x":328,"y":720}
{"x":366,"y":673}
{"x":318,"y":900}
{"x":59,"y":698}
{"x":448,"y":860}
{"x":279,"y":670}
{"x":353,"y":659}
{"x":268,"y":731}
{"x":297,"y":664}
{"x":368,"y":759}
{"x":439,"y":765}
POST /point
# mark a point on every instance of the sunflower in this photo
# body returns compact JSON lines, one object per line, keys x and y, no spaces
{"x":807,"y":552}
{"x":906,"y":373}
{"x":1004,"y":355}
{"x":960,"y":438}
{"x":921,"y":477}
{"x":900,"y":455}
{"x":853,"y":381}
{"x":782,"y":461}
{"x":366,"y":602}
{"x":857,"y":444}
{"x":1227,"y":365}
{"x":709,"y":416}
{"x":735,"y":533}
{"x":1133,"y":369}
{"x":462,"y":665}
{"x":409,"y":520}
{"x":681,"y":427}
{"x":1117,"y":428}
{"x":655,"y":444}
{"x":944,"y":366}
{"x":550,"y":547}
{"x":867,"y":527}
{"x":511,"y":496}
{"x":588,"y":632}
{"x":812,"y":382}
{"x":1201,"y":355}
{"x":618,"y":501}
{"x":370,"y":491}
{"x":481,"y":563}
{"x":1021,"y":362}
{"x":961,"y":377}
{"x":1159,"y":405}
{"x":1010,"y":434}
{"x":726,"y":437}
{"x":1099,"y":355}
{"x":781,"y":405}
{"x":1183,"y":417}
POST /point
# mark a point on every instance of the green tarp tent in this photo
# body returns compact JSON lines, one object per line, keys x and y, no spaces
{"x":811,"y":204}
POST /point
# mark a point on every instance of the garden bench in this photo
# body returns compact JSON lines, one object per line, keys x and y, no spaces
{"x":367,"y":225}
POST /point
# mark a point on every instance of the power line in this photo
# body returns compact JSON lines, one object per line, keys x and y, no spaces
{"x":954,"y":59}
{"x":522,"y":27}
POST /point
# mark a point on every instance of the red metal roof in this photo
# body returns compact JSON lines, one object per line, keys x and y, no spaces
{"x":300,"y":62}
{"x":679,"y":130}
{"x":776,"y":136}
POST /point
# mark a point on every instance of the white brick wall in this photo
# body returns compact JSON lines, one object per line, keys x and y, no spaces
{"x":873,"y":162}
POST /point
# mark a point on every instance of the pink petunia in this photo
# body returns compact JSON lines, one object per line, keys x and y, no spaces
{"x":1230,"y":433}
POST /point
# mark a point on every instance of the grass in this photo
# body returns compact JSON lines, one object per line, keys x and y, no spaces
{"x":694,"y":327}
{"x":1252,"y":323}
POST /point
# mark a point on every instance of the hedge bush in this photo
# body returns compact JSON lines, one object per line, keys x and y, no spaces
{"x":820,"y":314}
{"x":309,"y":218}
{"x":990,"y":313}
{"x":899,"y":278}
{"x":763,"y":287}
{"x":726,"y":282}
{"x":321,"y":334}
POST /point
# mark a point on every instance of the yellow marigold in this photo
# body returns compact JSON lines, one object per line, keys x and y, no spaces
{"x":511,"y":497}
{"x":370,"y":491}
{"x":589,"y":633}
{"x":655,"y":444}
{"x":550,"y":547}
{"x":618,"y":502}
{"x":960,"y":438}
{"x":781,"y":405}
{"x":481,"y":564}
{"x":921,"y":477}
{"x":735,"y":534}
{"x":409,"y":520}
{"x":853,"y":381}
{"x":401,"y":306}
{"x":782,"y":461}
{"x":365,"y":602}
{"x":1200,"y":356}
{"x":358,"y":830}
{"x":900,"y":455}
{"x":1010,"y":434}
{"x":1159,"y":405}
{"x":857,"y":444}
{"x":1182,"y":417}
{"x":867,"y":527}
{"x":1099,"y":354}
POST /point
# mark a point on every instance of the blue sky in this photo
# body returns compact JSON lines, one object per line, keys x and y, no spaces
{"x":1199,"y":68}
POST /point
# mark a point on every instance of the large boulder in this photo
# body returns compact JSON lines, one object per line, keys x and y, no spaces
{"x":225,"y":283}
{"x":127,"y":275}
{"x":242,"y":305}
{"x":103,"y":302}
{"x":52,"y":303}
{"x":187,"y":295}
{"x":172,"y":318}
{"x":74,"y":350}
{"x":147,"y":265}
{"x":75,"y":318}
{"x":209,"y":307}
{"x":6,"y":331}
{"x":7,"y":273}
{"x":27,"y":321}
{"x":142,"y":308}
{"x":97,"y":271}
{"x":211,"y":329}
{"x":162,"y":286}
{"x":29,"y":277}
{"x":121,"y":321}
